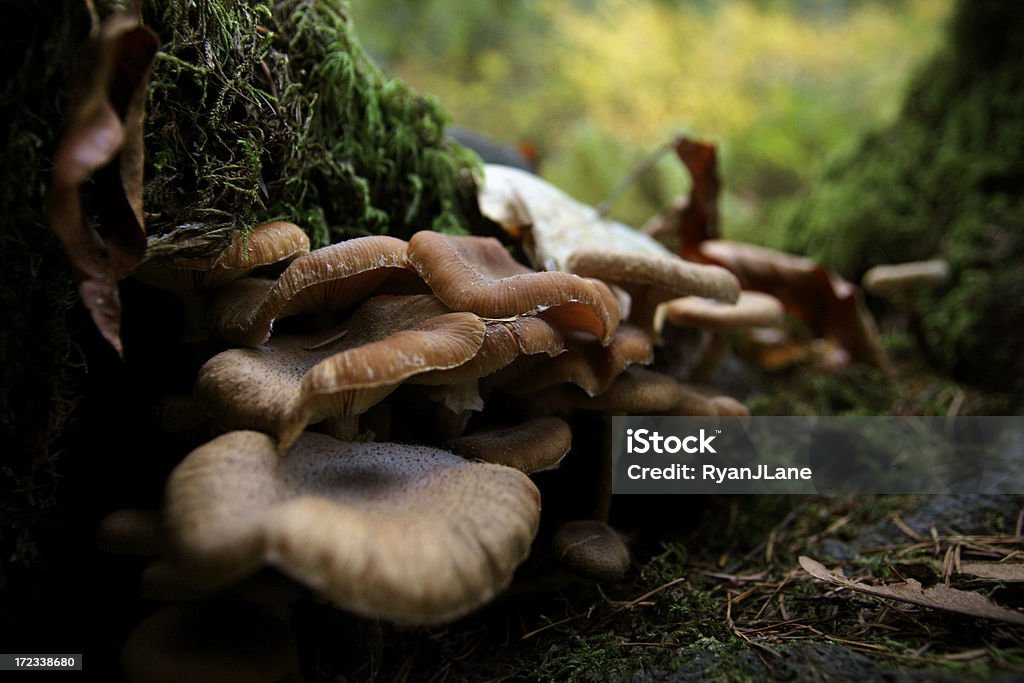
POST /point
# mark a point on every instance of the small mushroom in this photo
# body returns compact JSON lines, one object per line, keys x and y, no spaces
{"x":210,"y":642}
{"x":477,"y":274}
{"x":535,"y":445}
{"x":409,"y":533}
{"x":332,"y":278}
{"x":131,"y":531}
{"x":293,"y":381}
{"x":651,"y":279}
{"x":591,"y":549}
{"x":192,"y":279}
{"x":890,"y":280}
{"x":751,"y":310}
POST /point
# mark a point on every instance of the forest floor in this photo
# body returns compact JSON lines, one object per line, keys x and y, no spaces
{"x":716,"y":591}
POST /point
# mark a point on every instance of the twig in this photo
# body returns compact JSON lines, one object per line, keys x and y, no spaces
{"x":639,"y":169}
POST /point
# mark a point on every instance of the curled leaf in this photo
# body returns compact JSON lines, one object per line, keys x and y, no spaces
{"x":103,"y":142}
{"x":939,"y":596}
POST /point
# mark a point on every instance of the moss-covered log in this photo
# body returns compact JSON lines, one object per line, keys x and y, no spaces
{"x":946,"y":179}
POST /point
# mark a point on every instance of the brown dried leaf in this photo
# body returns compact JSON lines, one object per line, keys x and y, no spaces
{"x":830,"y":306}
{"x":1009,"y":572}
{"x":103,"y":141}
{"x":698,"y":219}
{"x":939,"y":596}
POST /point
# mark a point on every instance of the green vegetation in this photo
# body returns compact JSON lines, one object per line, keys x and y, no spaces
{"x":273,"y":110}
{"x":946,"y":179}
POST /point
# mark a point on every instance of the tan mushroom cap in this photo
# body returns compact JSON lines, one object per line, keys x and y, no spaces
{"x":329,"y":279}
{"x":886,"y":280}
{"x":477,"y":274}
{"x":191,"y":279}
{"x":591,"y":549}
{"x":752,"y":309}
{"x":292,"y":381}
{"x":535,"y":445}
{"x":131,"y":531}
{"x":589,"y":366}
{"x":409,"y":533}
{"x":651,"y":279}
{"x":636,"y":391}
{"x":210,"y":642}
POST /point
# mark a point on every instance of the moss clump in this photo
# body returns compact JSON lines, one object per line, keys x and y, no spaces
{"x":273,"y":110}
{"x":946,"y":179}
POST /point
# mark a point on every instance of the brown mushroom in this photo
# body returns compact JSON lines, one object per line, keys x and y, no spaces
{"x":130,"y":532}
{"x":409,"y":533}
{"x":477,"y":274}
{"x":332,"y":278}
{"x":651,"y":279}
{"x":535,"y":445}
{"x":751,"y":310}
{"x":591,"y":549}
{"x":294,"y":381}
{"x":191,"y":279}
{"x":210,"y":642}
{"x":889,"y":280}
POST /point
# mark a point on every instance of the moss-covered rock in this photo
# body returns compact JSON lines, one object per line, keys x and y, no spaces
{"x":946,"y":179}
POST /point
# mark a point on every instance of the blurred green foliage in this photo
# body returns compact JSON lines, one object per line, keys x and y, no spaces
{"x":781,"y":85}
{"x":946,"y":179}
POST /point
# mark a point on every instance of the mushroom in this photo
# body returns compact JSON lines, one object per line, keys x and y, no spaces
{"x":332,"y":278}
{"x":589,"y":366}
{"x":409,"y":533}
{"x":292,"y":381}
{"x":650,"y":279}
{"x":210,"y":642}
{"x":535,"y":445}
{"x":477,"y":274}
{"x":751,"y":310}
{"x":191,"y":279}
{"x":890,"y":280}
{"x":130,"y":532}
{"x":591,"y":549}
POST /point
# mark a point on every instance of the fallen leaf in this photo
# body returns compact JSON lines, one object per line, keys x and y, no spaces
{"x":1010,"y":572}
{"x":550,"y":223}
{"x":939,"y":596}
{"x":698,"y":219}
{"x":829,"y":305}
{"x":103,"y":141}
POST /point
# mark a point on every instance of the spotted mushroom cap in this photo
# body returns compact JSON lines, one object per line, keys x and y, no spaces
{"x":409,"y":533}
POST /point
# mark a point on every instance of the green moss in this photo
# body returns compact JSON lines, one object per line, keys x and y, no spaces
{"x":946,"y":179}
{"x":273,"y":110}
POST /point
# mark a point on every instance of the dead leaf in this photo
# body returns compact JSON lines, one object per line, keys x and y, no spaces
{"x":829,"y":305}
{"x":698,"y":219}
{"x":103,"y":141}
{"x":550,"y":223}
{"x":939,"y":596}
{"x":1010,"y":572}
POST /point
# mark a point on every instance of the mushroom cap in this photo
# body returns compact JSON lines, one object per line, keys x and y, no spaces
{"x":265,"y":244}
{"x":409,"y":533}
{"x":888,"y":279}
{"x":591,"y":549}
{"x":651,"y":279}
{"x":332,"y":278}
{"x":477,"y":274}
{"x":209,"y":642}
{"x":752,"y":309}
{"x":535,"y":445}
{"x":292,"y":381}
{"x":131,"y":531}
{"x":590,"y":366}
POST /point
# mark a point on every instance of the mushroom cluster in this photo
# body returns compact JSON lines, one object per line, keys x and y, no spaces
{"x":378,"y":406}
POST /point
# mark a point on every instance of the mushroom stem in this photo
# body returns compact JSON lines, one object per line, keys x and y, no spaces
{"x":716,"y":347}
